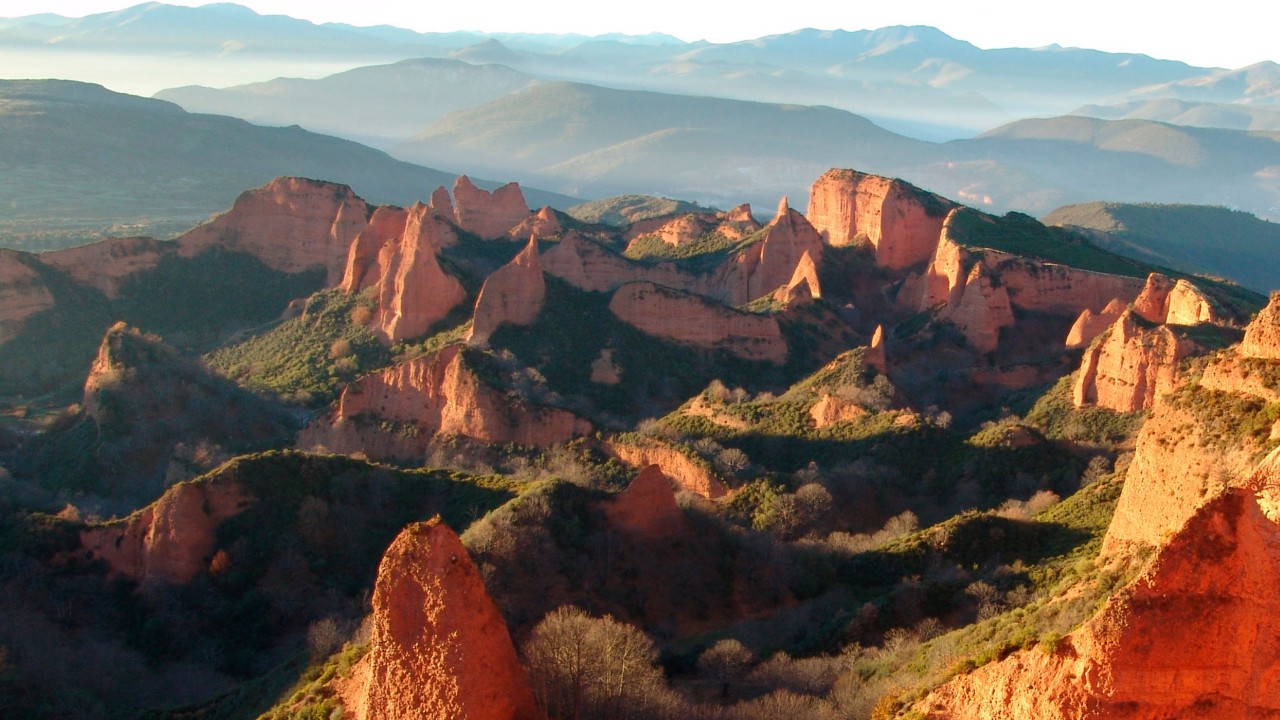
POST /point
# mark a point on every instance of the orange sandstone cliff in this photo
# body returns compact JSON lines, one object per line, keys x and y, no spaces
{"x":513,"y":294}
{"x":105,"y":265}
{"x":488,"y":215}
{"x":686,"y":473}
{"x":171,"y":540}
{"x":439,"y":647}
{"x":435,"y":395}
{"x":901,"y":222}
{"x":692,"y":320}
{"x":647,"y":509}
{"x":1129,"y":365}
{"x":290,"y":224}
{"x":1196,"y":635}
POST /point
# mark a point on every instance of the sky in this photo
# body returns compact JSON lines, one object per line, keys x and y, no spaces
{"x":1234,"y":33}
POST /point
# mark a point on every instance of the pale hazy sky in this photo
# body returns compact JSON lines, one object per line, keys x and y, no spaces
{"x":1222,"y":33}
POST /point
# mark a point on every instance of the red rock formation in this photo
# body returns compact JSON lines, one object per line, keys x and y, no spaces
{"x":104,"y":265}
{"x":1090,"y":325}
{"x":543,"y":225}
{"x":1189,"y":306}
{"x":901,"y":222}
{"x":361,"y":271}
{"x":1057,"y":289}
{"x":875,"y":357}
{"x":439,"y":647}
{"x":171,"y":540}
{"x":681,"y":469}
{"x":1152,"y":304}
{"x":1129,"y":365}
{"x":414,"y":293}
{"x":982,"y":310}
{"x":830,"y":410}
{"x":1262,"y":336}
{"x":771,"y":263}
{"x":692,"y":320}
{"x":688,"y":227}
{"x":605,"y":370}
{"x":22,"y":292}
{"x":441,"y":202}
{"x":647,"y":509}
{"x":803,"y":285}
{"x":290,"y":224}
{"x":513,"y":294}
{"x":1196,"y":635}
{"x":436,"y":395}
{"x":488,"y":215}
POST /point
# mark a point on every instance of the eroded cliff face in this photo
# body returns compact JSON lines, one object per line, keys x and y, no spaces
{"x":1195,"y":635}
{"x":290,"y":224}
{"x":647,"y":509}
{"x":675,"y":465}
{"x":1262,"y":335}
{"x":689,"y":227}
{"x":545,"y":224}
{"x":439,"y":647}
{"x":1130,"y":364}
{"x":22,"y":292}
{"x":692,"y":320}
{"x":170,"y":541}
{"x":396,"y":254}
{"x":105,"y":265}
{"x":1089,"y":325}
{"x":513,"y":294}
{"x":980,"y":289}
{"x":488,"y":215}
{"x":901,"y":222}
{"x":434,"y":395}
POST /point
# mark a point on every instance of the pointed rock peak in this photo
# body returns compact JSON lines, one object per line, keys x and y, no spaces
{"x":647,"y":508}
{"x":803,"y":285}
{"x":1262,"y":335}
{"x":741,"y":214}
{"x":1114,"y":308}
{"x":439,"y":646}
{"x":441,"y":202}
{"x":876,"y":356}
{"x":1152,"y":303}
{"x":488,"y":215}
{"x":783,"y":209}
{"x":547,"y":214}
{"x":529,"y":257}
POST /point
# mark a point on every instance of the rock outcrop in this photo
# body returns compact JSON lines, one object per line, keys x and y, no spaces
{"x":1262,"y":335}
{"x":545,"y":224}
{"x":439,"y":647}
{"x":789,"y":242}
{"x":1129,"y":365}
{"x":433,"y":395}
{"x":1152,"y":304}
{"x":1189,"y":306}
{"x":604,"y":369}
{"x":488,"y":215}
{"x":23,"y":292}
{"x":513,"y":294}
{"x":832,"y":409}
{"x":875,"y":357}
{"x":692,"y":320}
{"x":647,"y":509}
{"x":803,"y":283}
{"x":171,"y":540}
{"x":689,"y":227}
{"x":396,"y":253}
{"x":1089,"y":325}
{"x":902,"y":222}
{"x":685,"y":472}
{"x":290,"y":224}
{"x":105,"y":265}
{"x":1196,"y":635}
{"x":981,"y":311}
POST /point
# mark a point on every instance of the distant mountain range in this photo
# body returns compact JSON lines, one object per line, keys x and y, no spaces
{"x":80,"y":161}
{"x":916,"y":80}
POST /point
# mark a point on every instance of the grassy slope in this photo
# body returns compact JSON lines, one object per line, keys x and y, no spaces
{"x":1191,"y":238}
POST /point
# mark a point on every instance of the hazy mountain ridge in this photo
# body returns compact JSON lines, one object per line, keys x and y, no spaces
{"x":82,"y":161}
